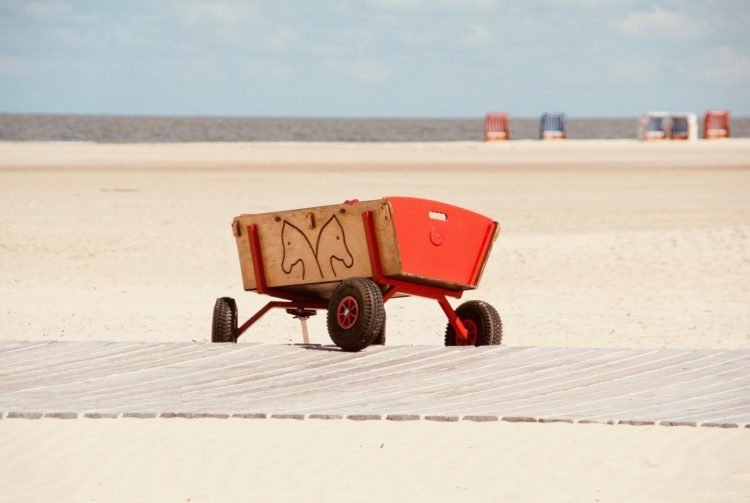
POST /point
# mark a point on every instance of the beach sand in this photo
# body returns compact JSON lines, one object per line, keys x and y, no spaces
{"x":603,"y":244}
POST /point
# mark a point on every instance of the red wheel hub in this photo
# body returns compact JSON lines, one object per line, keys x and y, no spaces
{"x":471,"y":335}
{"x":347,"y":312}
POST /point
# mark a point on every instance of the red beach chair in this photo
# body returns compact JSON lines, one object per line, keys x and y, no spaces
{"x":716,"y":124}
{"x":496,"y":126}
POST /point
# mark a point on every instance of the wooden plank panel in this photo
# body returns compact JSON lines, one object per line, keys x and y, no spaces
{"x":314,"y":246}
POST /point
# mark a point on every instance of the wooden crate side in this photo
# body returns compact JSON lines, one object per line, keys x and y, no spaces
{"x":494,"y":237}
{"x":314,"y":245}
{"x":385,"y":233}
{"x":239,"y":229}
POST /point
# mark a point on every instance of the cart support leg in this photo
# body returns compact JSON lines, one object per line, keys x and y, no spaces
{"x":302,"y":315}
{"x":259,"y":315}
{"x":301,"y":310}
{"x":305,"y":336}
{"x":461,"y":333}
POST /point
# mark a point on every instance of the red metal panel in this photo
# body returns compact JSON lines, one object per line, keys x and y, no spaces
{"x":394,"y":286}
{"x":439,"y":241}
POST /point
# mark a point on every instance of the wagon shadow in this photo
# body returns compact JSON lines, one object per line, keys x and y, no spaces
{"x":330,"y":348}
{"x":320,"y":347}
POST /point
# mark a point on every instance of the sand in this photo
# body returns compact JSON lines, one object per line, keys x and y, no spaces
{"x":343,"y":461}
{"x":603,"y":244}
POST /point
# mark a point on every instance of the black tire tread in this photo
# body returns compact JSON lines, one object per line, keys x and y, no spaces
{"x":497,"y":335}
{"x":490,"y":324}
{"x":371,"y":317}
{"x":379,"y":339}
{"x":224,"y":325}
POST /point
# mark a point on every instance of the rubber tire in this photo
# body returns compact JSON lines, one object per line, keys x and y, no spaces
{"x":486,"y":318}
{"x":224,"y":326}
{"x":379,"y":339}
{"x":369,"y":321}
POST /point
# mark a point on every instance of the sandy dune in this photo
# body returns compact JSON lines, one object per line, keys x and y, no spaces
{"x":604,"y":243}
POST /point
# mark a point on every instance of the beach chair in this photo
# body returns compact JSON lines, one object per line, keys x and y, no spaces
{"x":716,"y":124}
{"x":684,"y":126}
{"x":552,"y":127}
{"x":496,"y":126}
{"x":654,"y":126}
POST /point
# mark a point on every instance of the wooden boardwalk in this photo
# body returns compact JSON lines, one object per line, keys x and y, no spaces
{"x":667,"y":387}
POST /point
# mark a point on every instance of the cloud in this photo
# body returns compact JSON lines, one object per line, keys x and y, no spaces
{"x":48,"y":9}
{"x":42,"y":68}
{"x":431,"y":5}
{"x":239,"y":25}
{"x":659,"y":23}
{"x":731,"y":66}
{"x":367,"y":71}
{"x":640,"y":69}
{"x":220,"y":12}
{"x":13,"y":67}
{"x":574,"y":5}
{"x":268,"y":70}
{"x":478,"y":35}
{"x":278,"y":38}
{"x":72,"y":37}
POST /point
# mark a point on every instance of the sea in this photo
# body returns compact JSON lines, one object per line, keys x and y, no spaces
{"x":163,"y":129}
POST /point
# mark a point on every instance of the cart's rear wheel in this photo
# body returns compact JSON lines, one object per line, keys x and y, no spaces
{"x":379,"y":339}
{"x":355,"y":314}
{"x":224,"y":326}
{"x":481,"y":320}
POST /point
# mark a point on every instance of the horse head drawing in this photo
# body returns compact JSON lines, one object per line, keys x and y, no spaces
{"x":297,"y":250}
{"x":331,"y":246}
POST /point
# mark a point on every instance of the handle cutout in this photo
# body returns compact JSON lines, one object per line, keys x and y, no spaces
{"x":436,"y":215}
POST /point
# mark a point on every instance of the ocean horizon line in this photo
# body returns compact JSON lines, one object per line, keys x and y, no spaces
{"x":181,"y":129}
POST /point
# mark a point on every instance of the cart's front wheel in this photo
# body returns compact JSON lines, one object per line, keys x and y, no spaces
{"x":224,"y":326}
{"x":355,"y":314}
{"x":482,"y":322}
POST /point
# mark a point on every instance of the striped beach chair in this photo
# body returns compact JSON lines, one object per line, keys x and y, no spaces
{"x":496,"y":126}
{"x":654,"y":126}
{"x":684,"y":126}
{"x":552,"y":127}
{"x":716,"y":124}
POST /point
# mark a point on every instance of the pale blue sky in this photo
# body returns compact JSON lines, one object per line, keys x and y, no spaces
{"x":394,"y":58}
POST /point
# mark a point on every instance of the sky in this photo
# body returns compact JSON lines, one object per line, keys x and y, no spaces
{"x":374,"y":58}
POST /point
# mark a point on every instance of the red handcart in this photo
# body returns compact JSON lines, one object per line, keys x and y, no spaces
{"x":349,"y":259}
